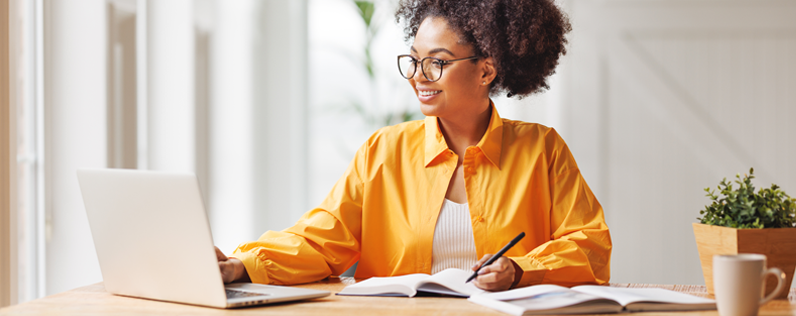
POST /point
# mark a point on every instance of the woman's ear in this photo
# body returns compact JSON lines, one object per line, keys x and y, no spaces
{"x":488,"y":71}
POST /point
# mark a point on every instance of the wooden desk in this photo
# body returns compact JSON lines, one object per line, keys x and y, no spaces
{"x":93,"y":300}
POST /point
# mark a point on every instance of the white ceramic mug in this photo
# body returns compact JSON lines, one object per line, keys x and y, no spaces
{"x":739,"y":283}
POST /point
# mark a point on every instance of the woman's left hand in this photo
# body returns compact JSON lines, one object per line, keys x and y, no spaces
{"x":498,"y":276}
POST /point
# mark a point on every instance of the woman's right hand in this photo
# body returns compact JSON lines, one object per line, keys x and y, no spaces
{"x":232,"y":269}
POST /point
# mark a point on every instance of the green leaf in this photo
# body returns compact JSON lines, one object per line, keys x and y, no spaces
{"x":743,"y":208}
{"x":366,"y":9}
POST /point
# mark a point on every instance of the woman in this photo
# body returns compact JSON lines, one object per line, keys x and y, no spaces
{"x":427,"y":195}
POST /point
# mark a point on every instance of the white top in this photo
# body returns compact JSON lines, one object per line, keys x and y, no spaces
{"x":454,"y":245}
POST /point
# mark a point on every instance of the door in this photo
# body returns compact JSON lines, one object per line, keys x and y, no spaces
{"x":666,"y":98}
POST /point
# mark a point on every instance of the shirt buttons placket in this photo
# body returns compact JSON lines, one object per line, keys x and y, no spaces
{"x":469,"y":160}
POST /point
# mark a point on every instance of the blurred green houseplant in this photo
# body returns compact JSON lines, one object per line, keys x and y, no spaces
{"x":366,"y":10}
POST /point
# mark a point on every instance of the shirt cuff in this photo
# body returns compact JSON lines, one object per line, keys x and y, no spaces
{"x":255,"y":267}
{"x":533,"y":271}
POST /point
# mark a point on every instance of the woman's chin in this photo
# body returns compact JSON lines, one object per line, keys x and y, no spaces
{"x":429,"y":109}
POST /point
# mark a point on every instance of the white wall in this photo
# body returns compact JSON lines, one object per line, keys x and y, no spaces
{"x":9,"y":53}
{"x":231,"y":153}
{"x":171,"y":142}
{"x":280,"y":117}
{"x":257,"y":119}
{"x":75,"y":96}
{"x":667,"y":98}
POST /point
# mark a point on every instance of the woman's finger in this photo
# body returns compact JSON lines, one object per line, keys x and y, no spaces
{"x":227,"y":271}
{"x":497,"y":276}
{"x":501,"y":264}
{"x":481,"y":261}
{"x":489,"y":277}
{"x":498,"y":266}
{"x":485,"y":270}
{"x":220,"y":255}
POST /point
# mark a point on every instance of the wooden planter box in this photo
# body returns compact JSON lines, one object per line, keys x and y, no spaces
{"x":778,"y":244}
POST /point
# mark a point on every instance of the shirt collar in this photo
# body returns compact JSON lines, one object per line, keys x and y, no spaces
{"x":491,"y":143}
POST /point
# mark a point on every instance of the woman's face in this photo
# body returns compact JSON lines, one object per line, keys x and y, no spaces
{"x":460,"y":91}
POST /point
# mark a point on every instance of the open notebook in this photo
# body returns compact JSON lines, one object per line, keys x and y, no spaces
{"x":589,"y":299}
{"x":449,"y":282}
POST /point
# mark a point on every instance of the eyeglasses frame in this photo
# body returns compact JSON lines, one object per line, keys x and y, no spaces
{"x":442,"y":64}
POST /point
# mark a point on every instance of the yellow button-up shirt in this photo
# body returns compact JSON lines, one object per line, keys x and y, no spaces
{"x":521,"y":177}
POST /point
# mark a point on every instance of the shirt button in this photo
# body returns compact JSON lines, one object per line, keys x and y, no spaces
{"x":479,"y":219}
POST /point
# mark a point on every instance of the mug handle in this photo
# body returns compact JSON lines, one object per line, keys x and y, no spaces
{"x":780,"y":280}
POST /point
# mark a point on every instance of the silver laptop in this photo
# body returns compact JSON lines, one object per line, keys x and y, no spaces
{"x":153,"y":241}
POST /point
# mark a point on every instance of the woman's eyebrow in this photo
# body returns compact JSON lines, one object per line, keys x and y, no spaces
{"x":441,"y":50}
{"x":436,"y":50}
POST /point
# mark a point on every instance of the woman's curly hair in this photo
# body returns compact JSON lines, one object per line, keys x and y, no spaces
{"x":524,"y":37}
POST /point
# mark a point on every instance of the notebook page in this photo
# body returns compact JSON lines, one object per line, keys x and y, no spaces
{"x":627,"y":296}
{"x":405,"y":284}
{"x":452,"y":279}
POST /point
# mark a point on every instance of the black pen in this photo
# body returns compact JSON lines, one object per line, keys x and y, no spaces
{"x":497,"y":255}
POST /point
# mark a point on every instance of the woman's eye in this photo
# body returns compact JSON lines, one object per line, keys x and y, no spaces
{"x":437,"y":64}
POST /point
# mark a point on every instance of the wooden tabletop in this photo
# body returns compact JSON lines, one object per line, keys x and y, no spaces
{"x":93,"y":300}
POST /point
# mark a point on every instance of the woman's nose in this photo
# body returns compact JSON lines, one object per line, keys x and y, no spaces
{"x":418,"y":76}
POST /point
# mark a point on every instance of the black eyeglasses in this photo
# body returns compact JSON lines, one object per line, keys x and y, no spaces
{"x":430,"y":66}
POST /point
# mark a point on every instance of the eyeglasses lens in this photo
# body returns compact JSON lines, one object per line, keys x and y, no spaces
{"x":407,"y":66}
{"x":432,"y":68}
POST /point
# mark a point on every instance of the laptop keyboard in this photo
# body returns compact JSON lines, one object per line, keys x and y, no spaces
{"x":239,"y":294}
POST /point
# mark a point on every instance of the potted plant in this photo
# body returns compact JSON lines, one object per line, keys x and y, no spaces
{"x":741,"y":221}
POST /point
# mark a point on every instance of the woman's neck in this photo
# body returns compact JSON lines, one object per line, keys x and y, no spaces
{"x":465,"y":130}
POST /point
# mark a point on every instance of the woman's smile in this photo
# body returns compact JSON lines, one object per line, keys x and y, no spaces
{"x":426,"y":95}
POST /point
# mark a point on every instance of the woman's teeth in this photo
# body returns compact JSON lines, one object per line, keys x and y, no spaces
{"x":428,"y":93}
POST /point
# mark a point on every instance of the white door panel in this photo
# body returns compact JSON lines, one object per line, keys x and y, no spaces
{"x":666,"y":98}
